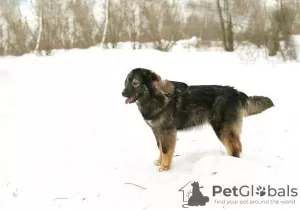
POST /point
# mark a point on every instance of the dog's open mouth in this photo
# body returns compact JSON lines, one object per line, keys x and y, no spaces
{"x":132,"y":99}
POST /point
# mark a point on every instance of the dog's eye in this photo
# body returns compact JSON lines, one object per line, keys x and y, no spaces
{"x":135,"y":84}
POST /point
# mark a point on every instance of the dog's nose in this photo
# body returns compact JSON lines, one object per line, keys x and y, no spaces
{"x":124,"y":93}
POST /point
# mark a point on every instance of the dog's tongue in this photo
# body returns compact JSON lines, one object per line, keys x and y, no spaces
{"x":129,"y":100}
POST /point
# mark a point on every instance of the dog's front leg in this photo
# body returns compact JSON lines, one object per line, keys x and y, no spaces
{"x":167,"y":141}
{"x":157,"y":162}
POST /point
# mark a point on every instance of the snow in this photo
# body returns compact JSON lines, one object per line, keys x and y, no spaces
{"x":68,"y":141}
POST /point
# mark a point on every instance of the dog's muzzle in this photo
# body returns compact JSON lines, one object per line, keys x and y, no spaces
{"x":130,"y":100}
{"x":124,"y":93}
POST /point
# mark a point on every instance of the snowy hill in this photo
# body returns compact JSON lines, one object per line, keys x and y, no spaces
{"x":68,"y":141}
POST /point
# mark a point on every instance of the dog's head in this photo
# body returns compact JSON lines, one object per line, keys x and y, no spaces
{"x":195,"y":185}
{"x":140,"y":84}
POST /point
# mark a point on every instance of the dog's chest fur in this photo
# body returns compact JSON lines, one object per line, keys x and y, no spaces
{"x":157,"y":122}
{"x":161,"y":121}
{"x":156,"y":116}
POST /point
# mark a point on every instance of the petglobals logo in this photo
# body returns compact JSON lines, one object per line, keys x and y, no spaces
{"x":254,"y":195}
{"x":195,"y":194}
{"x":262,"y":191}
{"x":192,"y":195}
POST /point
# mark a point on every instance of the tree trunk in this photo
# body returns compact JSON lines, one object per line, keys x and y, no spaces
{"x":223,"y":30}
{"x":230,"y":47}
{"x":106,"y":22}
{"x":226,"y":26}
{"x":40,"y":31}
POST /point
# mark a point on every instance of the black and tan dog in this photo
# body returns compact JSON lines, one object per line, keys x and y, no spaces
{"x":169,"y":106}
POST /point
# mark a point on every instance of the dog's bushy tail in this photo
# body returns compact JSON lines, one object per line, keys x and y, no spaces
{"x":257,"y":104}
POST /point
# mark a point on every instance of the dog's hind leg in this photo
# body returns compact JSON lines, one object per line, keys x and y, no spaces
{"x":229,"y":134}
{"x":230,"y":137}
{"x":168,"y":142}
{"x":227,"y":124}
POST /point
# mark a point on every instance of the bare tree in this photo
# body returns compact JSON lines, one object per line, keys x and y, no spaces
{"x":40,"y":31}
{"x":162,"y":23}
{"x":83,"y":22}
{"x":106,"y":21}
{"x":116,"y":27}
{"x":132,"y":22}
{"x":202,"y":22}
{"x":282,"y":20}
{"x":226,"y":25}
{"x":49,"y":18}
{"x":12,"y":25}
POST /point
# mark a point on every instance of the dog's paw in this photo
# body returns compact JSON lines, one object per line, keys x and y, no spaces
{"x":163,"y":168}
{"x":157,"y":162}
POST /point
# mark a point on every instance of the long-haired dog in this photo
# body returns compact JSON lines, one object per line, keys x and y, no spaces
{"x":169,"y":106}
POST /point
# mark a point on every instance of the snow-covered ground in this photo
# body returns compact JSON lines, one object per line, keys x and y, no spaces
{"x":68,"y":141}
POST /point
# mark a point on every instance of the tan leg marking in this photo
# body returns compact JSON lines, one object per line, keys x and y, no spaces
{"x":158,"y":161}
{"x":231,"y":139}
{"x":170,"y":142}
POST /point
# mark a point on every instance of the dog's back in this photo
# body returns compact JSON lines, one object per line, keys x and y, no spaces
{"x":211,"y":102}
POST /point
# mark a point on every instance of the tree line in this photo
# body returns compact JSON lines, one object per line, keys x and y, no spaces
{"x":81,"y":24}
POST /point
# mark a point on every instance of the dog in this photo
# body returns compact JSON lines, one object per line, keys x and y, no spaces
{"x":171,"y":106}
{"x":197,"y":197}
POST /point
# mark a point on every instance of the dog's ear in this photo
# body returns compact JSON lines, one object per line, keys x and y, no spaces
{"x":151,"y":76}
{"x":155,"y":81}
{"x":154,"y":76}
{"x":152,"y":80}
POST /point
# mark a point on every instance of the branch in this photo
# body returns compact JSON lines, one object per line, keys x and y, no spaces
{"x":136,"y":185}
{"x":60,"y":199}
